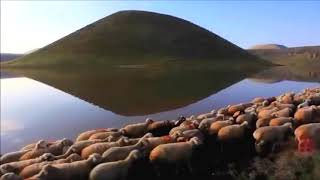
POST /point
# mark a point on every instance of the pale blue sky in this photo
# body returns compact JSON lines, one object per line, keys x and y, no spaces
{"x":26,"y":25}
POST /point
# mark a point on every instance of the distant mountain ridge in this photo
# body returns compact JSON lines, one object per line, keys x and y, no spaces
{"x":137,"y":37}
{"x":268,"y":46}
{"x":9,"y":56}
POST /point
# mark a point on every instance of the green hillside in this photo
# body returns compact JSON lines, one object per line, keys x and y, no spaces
{"x":136,"y":38}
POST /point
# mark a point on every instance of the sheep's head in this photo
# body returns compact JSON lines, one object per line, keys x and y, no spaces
{"x":47,"y":157}
{"x":66,"y":142}
{"x":149,"y":121}
{"x":95,"y":158}
{"x":195,"y":141}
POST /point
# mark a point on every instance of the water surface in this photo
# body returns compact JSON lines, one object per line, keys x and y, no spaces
{"x":65,"y":103}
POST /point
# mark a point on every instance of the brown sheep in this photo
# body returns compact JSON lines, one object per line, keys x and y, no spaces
{"x":160,"y":128}
{"x":174,"y":153}
{"x":182,"y":128}
{"x":261,"y":122}
{"x":206,"y":115}
{"x":153,"y":142}
{"x":270,"y":136}
{"x":114,"y":170}
{"x":136,"y":130}
{"x":17,"y":166}
{"x":78,"y":146}
{"x":104,"y":135}
{"x":239,"y":107}
{"x":308,"y":131}
{"x":216,"y":126}
{"x":248,"y":117}
{"x":56,"y":148}
{"x":34,"y":169}
{"x":267,"y":112}
{"x":85,"y":135}
{"x":206,"y":123}
{"x":12,"y":156}
{"x":286,"y":112}
{"x":188,"y":134}
{"x":66,"y":171}
{"x":41,"y":143}
{"x":120,"y":153}
{"x":232,"y":132}
{"x":280,"y":121}
{"x":101,"y":147}
{"x":306,"y":115}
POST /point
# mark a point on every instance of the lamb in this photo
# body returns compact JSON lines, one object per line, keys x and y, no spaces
{"x":174,"y":153}
{"x":56,"y":148}
{"x":308,"y":131}
{"x":85,"y":135}
{"x":101,"y":147}
{"x":280,"y":121}
{"x":120,"y":153}
{"x":17,"y":166}
{"x":34,"y":169}
{"x":232,"y":132}
{"x":136,"y":130}
{"x":67,"y":171}
{"x":114,"y":170}
{"x":216,"y":126}
{"x":270,"y":135}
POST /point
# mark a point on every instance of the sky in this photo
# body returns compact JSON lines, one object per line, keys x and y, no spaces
{"x":28,"y":25}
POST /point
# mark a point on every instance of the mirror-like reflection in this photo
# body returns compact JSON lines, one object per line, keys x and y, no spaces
{"x":65,"y":103}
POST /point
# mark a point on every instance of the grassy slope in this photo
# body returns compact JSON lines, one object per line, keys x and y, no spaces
{"x":9,"y":56}
{"x":307,"y":58}
{"x":136,"y":37}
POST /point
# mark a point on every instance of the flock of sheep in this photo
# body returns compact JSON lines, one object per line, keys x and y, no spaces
{"x":109,"y":153}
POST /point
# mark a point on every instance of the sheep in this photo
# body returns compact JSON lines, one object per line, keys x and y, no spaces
{"x":188,"y":134}
{"x":248,"y":117}
{"x":308,"y":131}
{"x":258,"y":100}
{"x":136,"y":130}
{"x":56,"y":148}
{"x":280,"y":121}
{"x":34,"y":169}
{"x":282,"y":105}
{"x":40,"y":143}
{"x":101,"y":147}
{"x":120,"y":153}
{"x":267,"y":112}
{"x":216,"y":126}
{"x":174,"y":153}
{"x":114,"y":170}
{"x":182,"y":128}
{"x":206,"y":115}
{"x":206,"y":123}
{"x":239,"y":107}
{"x":17,"y":166}
{"x":104,"y":135}
{"x":286,"y":112}
{"x":261,"y":122}
{"x":160,"y":128}
{"x":12,"y":156}
{"x":232,"y":132}
{"x":223,"y":111}
{"x":305,"y":115}
{"x":85,"y":135}
{"x":74,"y":170}
{"x":287,"y":98}
{"x":78,"y":146}
{"x":270,"y":135}
{"x":11,"y":176}
{"x":152,"y":142}
{"x":305,"y":103}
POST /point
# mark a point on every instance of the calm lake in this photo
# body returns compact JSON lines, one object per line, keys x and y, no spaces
{"x":53,"y":105}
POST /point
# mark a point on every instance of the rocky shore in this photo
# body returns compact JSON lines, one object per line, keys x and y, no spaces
{"x":267,"y":138}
